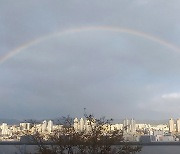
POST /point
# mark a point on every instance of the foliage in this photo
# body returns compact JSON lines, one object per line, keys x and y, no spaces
{"x":99,"y":139}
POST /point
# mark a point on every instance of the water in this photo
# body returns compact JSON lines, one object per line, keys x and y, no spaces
{"x":160,"y":150}
{"x":12,"y":149}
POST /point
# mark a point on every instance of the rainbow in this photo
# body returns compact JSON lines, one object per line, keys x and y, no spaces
{"x":89,"y":28}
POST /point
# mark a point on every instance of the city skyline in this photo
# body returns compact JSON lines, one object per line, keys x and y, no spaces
{"x":118,"y":59}
{"x":131,"y":129}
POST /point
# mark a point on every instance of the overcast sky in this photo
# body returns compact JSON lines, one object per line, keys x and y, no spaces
{"x":111,"y":73}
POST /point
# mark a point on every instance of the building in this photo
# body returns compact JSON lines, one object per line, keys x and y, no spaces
{"x":178,"y":125}
{"x":76,"y":124}
{"x":171,"y":126}
{"x":25,"y":126}
{"x":5,"y":130}
{"x":133,"y":126}
{"x":50,"y":126}
{"x":147,"y":138}
{"x":126,"y":125}
{"x":129,"y":126}
{"x":81,"y":124}
{"x":44,"y":126}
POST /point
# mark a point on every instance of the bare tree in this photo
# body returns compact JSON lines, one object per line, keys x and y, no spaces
{"x":99,"y":139}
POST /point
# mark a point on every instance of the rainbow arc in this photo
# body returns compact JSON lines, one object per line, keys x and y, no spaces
{"x":143,"y":35}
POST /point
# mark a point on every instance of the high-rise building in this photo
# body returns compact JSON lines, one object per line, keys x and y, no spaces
{"x":88,"y":125}
{"x":171,"y":125}
{"x":81,"y":124}
{"x":25,"y":126}
{"x":50,"y":126}
{"x":129,"y":126}
{"x":126,"y":125}
{"x":133,"y":126}
{"x":178,"y":125}
{"x":4,"y":128}
{"x":28,"y":126}
{"x":22,"y":126}
{"x":76,"y":124}
{"x":44,"y":126}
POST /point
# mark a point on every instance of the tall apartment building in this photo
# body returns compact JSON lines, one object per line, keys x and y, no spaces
{"x":178,"y":125}
{"x":171,"y":125}
{"x":44,"y":126}
{"x":130,"y":126}
{"x":133,"y":126}
{"x":76,"y":124}
{"x":50,"y":126}
{"x":81,"y":124}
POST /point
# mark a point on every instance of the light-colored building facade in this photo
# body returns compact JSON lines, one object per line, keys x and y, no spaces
{"x":178,"y":125}
{"x":171,"y":125}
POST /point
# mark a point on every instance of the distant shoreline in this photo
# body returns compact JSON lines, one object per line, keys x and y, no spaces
{"x":174,"y":143}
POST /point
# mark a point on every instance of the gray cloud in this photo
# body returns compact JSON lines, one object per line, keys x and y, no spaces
{"x":112,"y":74}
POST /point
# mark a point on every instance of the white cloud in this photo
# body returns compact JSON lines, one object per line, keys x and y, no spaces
{"x":171,"y":96}
{"x":168,"y":104}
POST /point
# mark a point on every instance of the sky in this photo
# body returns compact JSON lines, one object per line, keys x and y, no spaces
{"x":116,"y":59}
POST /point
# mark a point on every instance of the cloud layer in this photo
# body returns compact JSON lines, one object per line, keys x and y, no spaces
{"x":113,"y":74}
